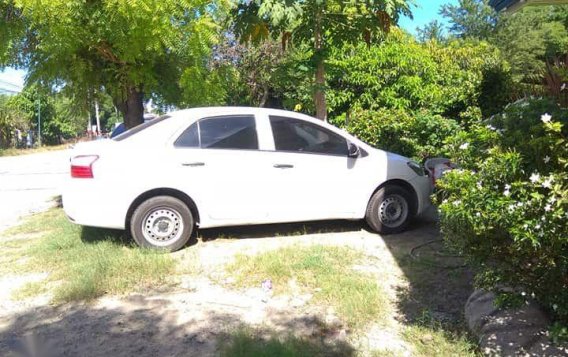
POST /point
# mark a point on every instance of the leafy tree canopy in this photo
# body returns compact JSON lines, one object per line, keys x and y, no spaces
{"x":319,"y":23}
{"x":131,"y":49}
{"x":470,"y":18}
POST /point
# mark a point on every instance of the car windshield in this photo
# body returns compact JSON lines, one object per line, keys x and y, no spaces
{"x":139,"y":128}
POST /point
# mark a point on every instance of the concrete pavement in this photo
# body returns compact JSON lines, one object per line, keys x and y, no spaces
{"x":28,"y":183}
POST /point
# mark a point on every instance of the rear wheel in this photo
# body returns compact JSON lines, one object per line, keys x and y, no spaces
{"x":389,"y":210}
{"x":162,"y":222}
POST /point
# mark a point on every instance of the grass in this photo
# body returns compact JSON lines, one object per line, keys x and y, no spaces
{"x":430,"y":338}
{"x":29,"y":290}
{"x":18,"y":152}
{"x":86,"y":262}
{"x":245,"y":342}
{"x":324,"y":271}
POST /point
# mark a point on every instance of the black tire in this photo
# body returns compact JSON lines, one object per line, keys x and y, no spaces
{"x":162,"y":222}
{"x":390,"y":210}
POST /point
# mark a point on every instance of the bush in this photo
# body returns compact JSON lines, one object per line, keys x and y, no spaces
{"x":506,"y":210}
{"x":401,"y":73}
{"x":417,"y":135}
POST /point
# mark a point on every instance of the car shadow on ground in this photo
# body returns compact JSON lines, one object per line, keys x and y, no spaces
{"x":281,"y":229}
{"x":94,"y":235}
{"x":145,"y":329}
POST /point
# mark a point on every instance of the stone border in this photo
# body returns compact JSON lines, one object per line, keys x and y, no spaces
{"x":509,"y":332}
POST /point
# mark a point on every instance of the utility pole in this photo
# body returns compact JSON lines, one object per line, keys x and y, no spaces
{"x":38,"y":121}
{"x":97,"y":117}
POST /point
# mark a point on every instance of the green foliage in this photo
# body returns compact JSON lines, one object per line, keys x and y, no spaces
{"x":11,"y":119}
{"x":507,"y":208}
{"x":419,"y":135}
{"x":432,"y":31}
{"x":531,"y":37}
{"x":321,"y":24}
{"x":124,"y":47}
{"x":338,"y":21}
{"x":470,"y":18}
{"x":401,"y":73}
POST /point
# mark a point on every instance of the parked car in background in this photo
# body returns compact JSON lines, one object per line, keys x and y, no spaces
{"x":214,"y":167}
{"x":120,"y":128}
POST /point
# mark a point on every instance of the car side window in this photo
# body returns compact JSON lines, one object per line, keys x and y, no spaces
{"x":189,"y":138}
{"x":301,"y":136}
{"x":223,"y":132}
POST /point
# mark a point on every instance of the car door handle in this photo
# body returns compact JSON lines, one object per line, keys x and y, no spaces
{"x":283,"y":166}
{"x":193,"y":164}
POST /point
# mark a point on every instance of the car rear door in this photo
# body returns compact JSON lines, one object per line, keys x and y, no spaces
{"x":223,"y":169}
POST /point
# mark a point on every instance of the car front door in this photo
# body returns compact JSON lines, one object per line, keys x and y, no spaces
{"x":223,"y":169}
{"x":314,"y":177}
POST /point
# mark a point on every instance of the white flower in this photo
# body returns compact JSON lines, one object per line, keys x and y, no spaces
{"x":547,"y":208}
{"x":555,"y":307}
{"x":506,"y":193}
{"x":537,"y":226}
{"x":491,"y":127}
{"x":512,"y":208}
{"x":552,"y":199}
{"x":519,"y":204}
{"x":546,"y":159}
{"x":547,"y":183}
{"x":535,"y":177}
{"x":464,"y":146}
{"x":479,"y":185}
{"x":507,"y":187}
{"x":478,"y":214}
{"x":546,"y":118}
{"x":563,"y":86}
{"x":457,"y":203}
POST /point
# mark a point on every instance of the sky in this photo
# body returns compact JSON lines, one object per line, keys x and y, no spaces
{"x":424,"y":12}
{"x":12,"y":79}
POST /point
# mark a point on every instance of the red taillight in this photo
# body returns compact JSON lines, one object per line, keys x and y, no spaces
{"x":82,"y":166}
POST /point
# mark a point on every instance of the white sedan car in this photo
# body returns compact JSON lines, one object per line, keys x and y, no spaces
{"x":215,"y":167}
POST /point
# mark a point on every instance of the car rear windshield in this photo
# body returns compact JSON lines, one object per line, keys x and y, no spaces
{"x":139,"y":128}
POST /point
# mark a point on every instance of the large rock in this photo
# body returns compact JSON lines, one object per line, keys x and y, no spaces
{"x":509,"y":332}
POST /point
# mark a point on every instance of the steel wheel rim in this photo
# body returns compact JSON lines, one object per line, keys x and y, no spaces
{"x":393,"y":211}
{"x":162,"y":226}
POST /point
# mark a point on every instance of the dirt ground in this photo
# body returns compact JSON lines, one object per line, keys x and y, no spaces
{"x":200,"y":309}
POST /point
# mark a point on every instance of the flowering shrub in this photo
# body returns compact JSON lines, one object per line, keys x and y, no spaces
{"x":417,"y":135}
{"x":506,"y":209}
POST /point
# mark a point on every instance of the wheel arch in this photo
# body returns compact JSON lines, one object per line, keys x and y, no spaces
{"x":404,"y":185}
{"x":163,"y":191}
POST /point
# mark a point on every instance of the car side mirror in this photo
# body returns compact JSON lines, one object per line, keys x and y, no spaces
{"x":353,"y":151}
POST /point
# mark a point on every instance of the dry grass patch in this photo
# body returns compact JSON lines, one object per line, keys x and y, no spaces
{"x":324,"y":271}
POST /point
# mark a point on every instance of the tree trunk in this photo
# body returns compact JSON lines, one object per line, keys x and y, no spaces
{"x":319,"y":94}
{"x":132,"y":107}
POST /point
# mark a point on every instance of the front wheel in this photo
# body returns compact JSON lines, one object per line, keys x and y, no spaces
{"x":162,"y":222}
{"x":389,"y":210}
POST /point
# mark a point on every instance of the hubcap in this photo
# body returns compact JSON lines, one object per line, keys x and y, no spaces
{"x":162,"y":226}
{"x":393,"y":211}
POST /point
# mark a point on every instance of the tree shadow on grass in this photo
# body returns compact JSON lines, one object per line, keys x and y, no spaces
{"x":145,"y":326}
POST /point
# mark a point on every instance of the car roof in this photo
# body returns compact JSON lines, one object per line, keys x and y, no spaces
{"x":206,"y":111}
